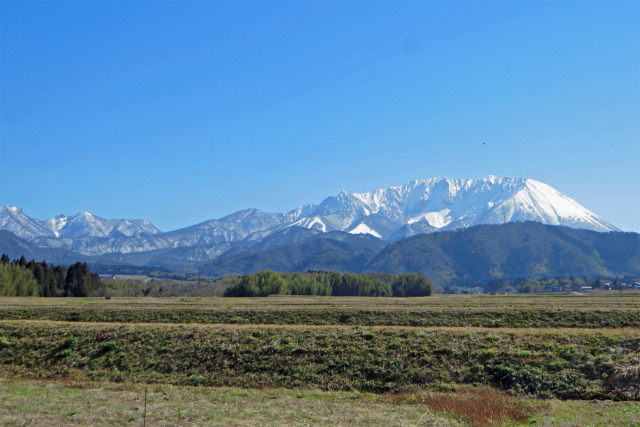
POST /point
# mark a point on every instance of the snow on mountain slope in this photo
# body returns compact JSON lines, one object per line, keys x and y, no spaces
{"x":56,"y":224}
{"x":553,"y":207}
{"x":531,"y":200}
{"x":448,"y":204}
{"x":363,"y":228}
{"x":234,"y":227}
{"x":14,"y":220}
{"x":85,"y":224}
{"x":84,"y":232}
{"x":435,"y":219}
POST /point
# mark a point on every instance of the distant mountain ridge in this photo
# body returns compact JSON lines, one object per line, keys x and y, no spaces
{"x":83,"y":224}
{"x":418,"y":207}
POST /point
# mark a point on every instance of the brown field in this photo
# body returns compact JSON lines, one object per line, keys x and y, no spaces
{"x":594,"y":301}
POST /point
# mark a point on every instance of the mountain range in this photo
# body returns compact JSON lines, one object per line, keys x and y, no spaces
{"x":358,"y":224}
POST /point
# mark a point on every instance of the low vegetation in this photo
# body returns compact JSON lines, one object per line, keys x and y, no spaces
{"x":605,"y":310}
{"x":569,"y":364}
{"x":141,"y":286}
{"x":71,"y":402}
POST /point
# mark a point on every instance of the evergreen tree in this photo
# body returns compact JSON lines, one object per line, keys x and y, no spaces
{"x":60,"y":273}
{"x":80,"y":281}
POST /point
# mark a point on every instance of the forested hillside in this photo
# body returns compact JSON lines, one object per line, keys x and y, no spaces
{"x":513,"y":250}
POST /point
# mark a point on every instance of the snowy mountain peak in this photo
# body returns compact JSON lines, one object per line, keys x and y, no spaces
{"x":14,"y":220}
{"x":83,"y":224}
{"x":447,"y":203}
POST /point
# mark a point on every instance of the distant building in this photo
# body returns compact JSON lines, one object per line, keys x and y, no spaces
{"x":476,"y":290}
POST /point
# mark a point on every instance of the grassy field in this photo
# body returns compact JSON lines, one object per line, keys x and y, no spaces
{"x":599,"y":310}
{"x":593,"y":301}
{"x":65,"y":402}
{"x":322,"y":360}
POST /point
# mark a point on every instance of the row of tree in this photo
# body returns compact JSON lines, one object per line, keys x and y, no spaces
{"x":30,"y":278}
{"x":267,"y":282}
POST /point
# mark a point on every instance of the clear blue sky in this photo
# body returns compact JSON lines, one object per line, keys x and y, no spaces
{"x":179,"y":112}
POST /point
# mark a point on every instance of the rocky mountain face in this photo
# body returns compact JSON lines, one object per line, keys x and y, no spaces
{"x":449,"y":204}
{"x":418,"y":207}
{"x":14,"y":220}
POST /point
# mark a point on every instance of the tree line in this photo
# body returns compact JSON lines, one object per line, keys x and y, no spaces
{"x":557,"y":284}
{"x":267,"y":282}
{"x":37,"y":278}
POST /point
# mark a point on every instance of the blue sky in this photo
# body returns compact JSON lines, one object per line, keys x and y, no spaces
{"x":179,"y":112}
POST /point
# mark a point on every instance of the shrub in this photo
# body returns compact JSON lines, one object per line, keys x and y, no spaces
{"x":109,"y":346}
{"x":196,"y":380}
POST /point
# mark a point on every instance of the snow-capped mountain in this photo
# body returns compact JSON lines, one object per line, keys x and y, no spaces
{"x":80,"y":225}
{"x":417,"y":207}
{"x":85,"y":224}
{"x":14,"y":220}
{"x":449,"y":204}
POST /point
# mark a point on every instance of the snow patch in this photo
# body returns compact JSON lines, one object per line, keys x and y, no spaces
{"x":437,"y":219}
{"x":363,"y":228}
{"x":56,"y":224}
{"x":316,"y":220}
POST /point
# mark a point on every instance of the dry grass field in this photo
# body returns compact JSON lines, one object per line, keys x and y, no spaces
{"x":593,"y":301}
{"x":596,"y":310}
{"x":568,"y":360}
